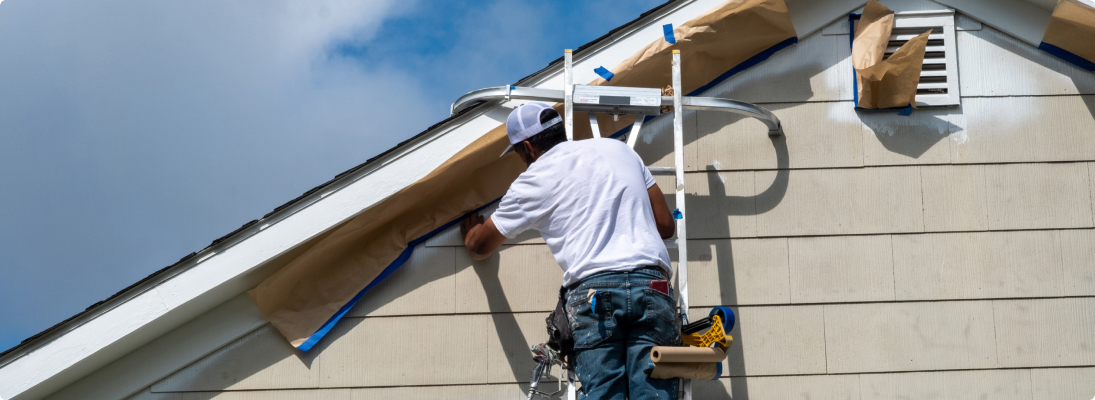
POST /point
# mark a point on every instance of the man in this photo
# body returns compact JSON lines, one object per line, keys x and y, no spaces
{"x":603,"y":217}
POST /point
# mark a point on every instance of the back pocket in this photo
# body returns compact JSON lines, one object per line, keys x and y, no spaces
{"x":591,"y":328}
{"x":661,"y":314}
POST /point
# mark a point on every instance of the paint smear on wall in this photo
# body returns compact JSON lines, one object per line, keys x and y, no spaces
{"x":942,"y":121}
{"x":938,"y":121}
{"x":717,"y":166}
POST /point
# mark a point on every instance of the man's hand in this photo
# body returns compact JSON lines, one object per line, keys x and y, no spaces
{"x":481,"y":237}
{"x":470,"y":223}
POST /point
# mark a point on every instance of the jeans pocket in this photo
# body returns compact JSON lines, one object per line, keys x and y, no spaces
{"x":591,"y":327}
{"x":661,"y":313}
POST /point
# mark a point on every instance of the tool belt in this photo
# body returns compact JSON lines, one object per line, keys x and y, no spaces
{"x":560,"y":334}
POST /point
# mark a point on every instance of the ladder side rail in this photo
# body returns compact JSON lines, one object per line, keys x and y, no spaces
{"x":568,"y":93}
{"x":682,"y":233}
{"x":572,"y":388}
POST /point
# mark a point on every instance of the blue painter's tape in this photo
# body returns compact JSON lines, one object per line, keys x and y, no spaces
{"x":728,"y":318}
{"x":1068,"y":56}
{"x":677,"y":214}
{"x":403,"y":257}
{"x":604,"y":73}
{"x":852,"y":18}
{"x":905,"y":112}
{"x":593,"y":303}
{"x":668,"y":29}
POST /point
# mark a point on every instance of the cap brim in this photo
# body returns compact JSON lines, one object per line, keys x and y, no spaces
{"x":508,"y":149}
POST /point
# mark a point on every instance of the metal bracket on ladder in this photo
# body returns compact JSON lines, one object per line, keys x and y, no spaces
{"x":640,"y":102}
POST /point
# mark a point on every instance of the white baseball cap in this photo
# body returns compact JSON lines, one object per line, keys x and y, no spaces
{"x":524,"y":122}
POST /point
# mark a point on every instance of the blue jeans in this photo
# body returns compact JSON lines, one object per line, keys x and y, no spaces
{"x":613,"y":334}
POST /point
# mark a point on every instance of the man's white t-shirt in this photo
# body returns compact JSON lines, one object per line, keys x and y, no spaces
{"x":589,"y":201}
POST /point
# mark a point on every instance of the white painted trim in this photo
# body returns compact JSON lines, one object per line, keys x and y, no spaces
{"x":840,"y":27}
{"x":93,"y":340}
{"x":1018,"y":18}
{"x":168,"y":353}
{"x":811,"y":15}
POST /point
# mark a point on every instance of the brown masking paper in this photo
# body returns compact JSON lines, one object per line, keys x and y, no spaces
{"x":1072,"y":28}
{"x":695,"y":371}
{"x":891,"y":82}
{"x":303,"y":295}
{"x":668,"y":354}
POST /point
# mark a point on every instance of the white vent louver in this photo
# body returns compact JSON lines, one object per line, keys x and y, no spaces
{"x":939,"y":78}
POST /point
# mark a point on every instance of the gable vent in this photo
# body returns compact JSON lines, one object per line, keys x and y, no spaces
{"x":939,"y":78}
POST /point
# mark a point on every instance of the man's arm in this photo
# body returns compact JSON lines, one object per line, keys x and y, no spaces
{"x":482,"y":237}
{"x":663,"y":219}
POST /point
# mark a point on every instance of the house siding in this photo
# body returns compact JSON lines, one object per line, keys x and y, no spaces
{"x":945,"y":255}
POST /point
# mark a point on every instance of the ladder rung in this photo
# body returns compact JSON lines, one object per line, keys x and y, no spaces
{"x":663,"y":170}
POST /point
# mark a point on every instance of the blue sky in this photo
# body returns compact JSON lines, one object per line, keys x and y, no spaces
{"x":133,"y":133}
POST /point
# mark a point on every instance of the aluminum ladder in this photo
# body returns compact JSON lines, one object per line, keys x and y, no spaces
{"x":616,"y":108}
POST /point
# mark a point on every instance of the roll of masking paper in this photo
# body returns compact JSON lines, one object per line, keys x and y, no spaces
{"x":695,"y":371}
{"x":668,"y":354}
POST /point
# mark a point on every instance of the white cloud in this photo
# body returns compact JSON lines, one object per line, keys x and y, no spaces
{"x":133,"y":132}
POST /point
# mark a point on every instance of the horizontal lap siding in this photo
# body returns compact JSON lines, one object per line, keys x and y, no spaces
{"x":1007,"y":384}
{"x":874,"y":200}
{"x":834,"y":135}
{"x":881,"y":337}
{"x":259,"y":360}
{"x":770,"y":340}
{"x":425,"y":284}
{"x":991,"y":63}
{"x":1016,"y":384}
{"x":994,"y":265}
{"x":735,"y":272}
{"x":957,"y":385}
{"x":944,"y":255}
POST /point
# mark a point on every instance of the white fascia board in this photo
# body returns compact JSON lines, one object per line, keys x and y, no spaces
{"x":168,"y":353}
{"x":59,"y":360}
{"x":128,"y":322}
{"x":1024,"y":20}
{"x":809,"y":16}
